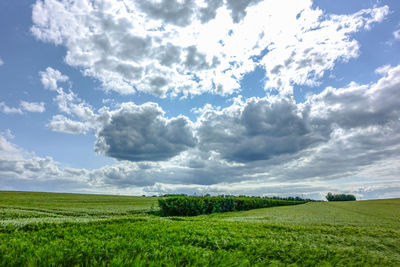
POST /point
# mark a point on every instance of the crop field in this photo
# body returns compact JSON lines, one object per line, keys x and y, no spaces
{"x":71,"y":229}
{"x":21,"y":208}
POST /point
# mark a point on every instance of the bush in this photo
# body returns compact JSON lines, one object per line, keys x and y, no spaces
{"x":192,"y":206}
{"x":340,"y":197}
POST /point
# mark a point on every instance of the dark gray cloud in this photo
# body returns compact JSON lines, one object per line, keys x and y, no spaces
{"x":140,"y":133}
{"x":238,"y":8}
{"x":257,"y":129}
{"x":169,"y":54}
{"x":169,"y":11}
{"x":189,"y":167}
{"x":210,"y":11}
{"x":197,"y":61}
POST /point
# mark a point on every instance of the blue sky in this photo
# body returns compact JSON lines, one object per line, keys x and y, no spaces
{"x":250,"y":97}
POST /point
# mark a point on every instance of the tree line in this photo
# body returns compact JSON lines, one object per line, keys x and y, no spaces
{"x":193,"y":206}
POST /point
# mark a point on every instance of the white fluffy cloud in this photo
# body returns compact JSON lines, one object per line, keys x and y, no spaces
{"x":311,"y":45}
{"x":24,"y":106}
{"x":16,"y":163}
{"x":60,"y":123}
{"x":191,"y":47}
{"x":23,"y":170}
{"x":69,"y":103}
{"x":9,"y":110}
{"x":33,"y":106}
{"x":51,"y":77}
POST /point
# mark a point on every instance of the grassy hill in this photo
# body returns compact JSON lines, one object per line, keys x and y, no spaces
{"x":70,"y":229}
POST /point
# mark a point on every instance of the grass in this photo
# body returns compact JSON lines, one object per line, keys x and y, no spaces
{"x":362,"y":233}
{"x":384,"y":213}
{"x":28,"y":207}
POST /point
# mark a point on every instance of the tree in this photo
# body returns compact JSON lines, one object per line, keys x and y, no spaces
{"x":340,"y":197}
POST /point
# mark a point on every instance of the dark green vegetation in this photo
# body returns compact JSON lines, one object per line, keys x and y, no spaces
{"x":357,"y":233}
{"x":193,"y":206}
{"x":340,"y":197}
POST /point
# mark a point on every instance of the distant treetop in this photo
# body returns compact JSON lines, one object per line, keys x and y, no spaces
{"x":340,"y":197}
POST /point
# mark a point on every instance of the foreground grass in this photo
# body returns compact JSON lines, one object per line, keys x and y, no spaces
{"x":363,"y":233}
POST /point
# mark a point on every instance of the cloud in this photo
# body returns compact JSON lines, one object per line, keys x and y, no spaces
{"x":51,"y":77}
{"x":71,"y":104}
{"x":169,"y":11}
{"x":359,"y":106}
{"x":60,"y":123}
{"x":254,"y":144}
{"x":130,"y":132}
{"x":182,"y":48}
{"x":139,"y":133}
{"x":311,"y":46}
{"x":1,"y":62}
{"x":206,"y":107}
{"x":7,"y":134}
{"x":22,"y":170}
{"x":256,"y":129}
{"x":84,"y":118}
{"x":188,"y":167}
{"x":24,"y":106}
{"x":15,"y":161}
{"x":33,"y":106}
{"x":9,"y":110}
{"x":362,"y":189}
{"x":261,"y":128}
{"x":396,"y":34}
{"x":333,"y":134}
{"x":238,"y":8}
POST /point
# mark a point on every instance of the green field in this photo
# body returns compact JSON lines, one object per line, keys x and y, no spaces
{"x":70,"y":229}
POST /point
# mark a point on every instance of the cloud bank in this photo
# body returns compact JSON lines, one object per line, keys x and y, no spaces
{"x":340,"y":133}
{"x":181,"y":48}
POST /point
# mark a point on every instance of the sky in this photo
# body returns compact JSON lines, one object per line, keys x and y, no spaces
{"x":249,"y":97}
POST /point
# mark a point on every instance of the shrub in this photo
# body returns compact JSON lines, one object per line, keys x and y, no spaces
{"x":192,"y":206}
{"x":340,"y":197}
